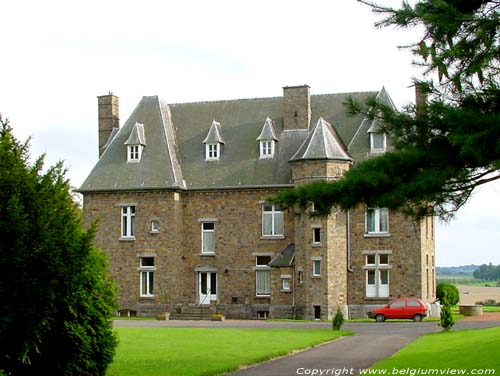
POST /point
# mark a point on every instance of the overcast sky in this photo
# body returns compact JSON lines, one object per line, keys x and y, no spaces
{"x":58,"y":56}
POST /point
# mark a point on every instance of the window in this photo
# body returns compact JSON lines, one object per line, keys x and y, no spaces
{"x":272,"y":221}
{"x":377,"y":142}
{"x":266,"y":148}
{"x":377,"y":275}
{"x":316,"y":268}
{"x":285,"y":283}
{"x":316,"y":235}
{"x":155,"y":226}
{"x":128,"y":220}
{"x":262,"y":276}
{"x":301,"y":276}
{"x":212,"y":151}
{"x":134,"y":153}
{"x":147,"y":268}
{"x":208,"y":238}
{"x":377,"y":221}
{"x":398,"y":304}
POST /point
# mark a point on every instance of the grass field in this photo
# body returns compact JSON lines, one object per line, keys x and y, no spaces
{"x":200,"y":351}
{"x":465,"y":349}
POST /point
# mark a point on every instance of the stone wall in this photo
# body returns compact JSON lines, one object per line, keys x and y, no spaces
{"x":403,"y":243}
{"x":237,"y":218}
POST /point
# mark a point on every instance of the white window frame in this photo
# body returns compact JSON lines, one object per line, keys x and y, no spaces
{"x":274,"y":213}
{"x":373,"y":149}
{"x":155,"y":226}
{"x":204,"y":231}
{"x":134,"y":153}
{"x":259,"y":270}
{"x":212,"y":151}
{"x":127,"y":227}
{"x":146,"y":275}
{"x":379,"y":270}
{"x":266,"y":149}
{"x":286,"y":284}
{"x":315,"y":262}
{"x":378,"y":214}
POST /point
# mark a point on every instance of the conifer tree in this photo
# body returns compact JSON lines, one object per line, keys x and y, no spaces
{"x":447,"y":145}
{"x":56,"y":298}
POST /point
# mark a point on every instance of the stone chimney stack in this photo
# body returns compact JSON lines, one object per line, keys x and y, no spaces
{"x":420,"y":96}
{"x":108,"y":118}
{"x":296,"y":107}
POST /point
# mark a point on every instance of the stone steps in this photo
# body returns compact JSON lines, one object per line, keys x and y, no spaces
{"x":192,"y":313}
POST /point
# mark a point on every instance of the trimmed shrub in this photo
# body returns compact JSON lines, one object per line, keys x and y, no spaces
{"x":447,"y":293}
{"x":338,"y":320}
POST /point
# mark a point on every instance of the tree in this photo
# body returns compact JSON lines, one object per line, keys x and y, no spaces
{"x":446,"y":145}
{"x":57,"y":300}
{"x":488,"y":272}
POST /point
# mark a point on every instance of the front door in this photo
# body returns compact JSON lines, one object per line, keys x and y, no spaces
{"x":207,"y":287}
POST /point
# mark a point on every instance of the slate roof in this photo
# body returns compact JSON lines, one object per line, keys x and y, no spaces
{"x":136,"y":136}
{"x":322,"y":143}
{"x":267,"y":133}
{"x":174,"y":156}
{"x":214,"y":135}
{"x":285,"y":257}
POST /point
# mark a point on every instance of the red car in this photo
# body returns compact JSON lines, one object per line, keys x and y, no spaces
{"x":402,"y":308}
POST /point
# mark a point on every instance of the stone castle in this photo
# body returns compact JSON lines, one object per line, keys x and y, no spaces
{"x":180,"y":192}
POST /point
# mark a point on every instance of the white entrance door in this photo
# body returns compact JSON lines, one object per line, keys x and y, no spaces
{"x":207,"y":287}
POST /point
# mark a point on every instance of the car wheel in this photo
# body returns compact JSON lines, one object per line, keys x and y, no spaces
{"x":417,"y":318}
{"x":380,"y":318}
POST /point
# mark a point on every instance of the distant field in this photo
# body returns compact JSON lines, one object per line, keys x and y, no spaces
{"x":474,"y":294}
{"x":465,"y":280}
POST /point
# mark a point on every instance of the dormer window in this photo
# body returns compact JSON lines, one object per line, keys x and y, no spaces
{"x":267,"y":139}
{"x":377,"y":142}
{"x":213,"y":142}
{"x":134,"y":153}
{"x":212,"y":152}
{"x":378,"y":139}
{"x":135,"y":143}
{"x":267,"y":149}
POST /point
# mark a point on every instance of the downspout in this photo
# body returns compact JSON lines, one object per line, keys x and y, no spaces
{"x":293,"y":289}
{"x":348,"y":238}
{"x":348,"y":249}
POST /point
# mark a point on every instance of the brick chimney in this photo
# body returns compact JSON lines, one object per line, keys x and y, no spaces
{"x":108,"y":118}
{"x":296,"y":107}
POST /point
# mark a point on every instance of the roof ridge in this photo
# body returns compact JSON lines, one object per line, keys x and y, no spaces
{"x":267,"y":98}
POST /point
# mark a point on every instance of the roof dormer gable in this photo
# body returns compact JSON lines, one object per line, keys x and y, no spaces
{"x":213,"y":142}
{"x":267,"y":139}
{"x":267,"y":133}
{"x":214,"y":135}
{"x":135,"y":143}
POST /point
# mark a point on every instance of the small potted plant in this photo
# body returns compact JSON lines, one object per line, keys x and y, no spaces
{"x":218,"y":317}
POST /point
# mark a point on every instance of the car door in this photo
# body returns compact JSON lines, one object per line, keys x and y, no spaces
{"x":396,"y":309}
{"x":413,"y":307}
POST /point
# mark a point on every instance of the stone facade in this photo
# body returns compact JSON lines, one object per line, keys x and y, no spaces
{"x":237,"y":218}
{"x":324,"y":263}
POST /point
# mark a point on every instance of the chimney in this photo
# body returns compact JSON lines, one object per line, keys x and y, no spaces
{"x":108,"y":118}
{"x":420,"y":96}
{"x":296,"y":107}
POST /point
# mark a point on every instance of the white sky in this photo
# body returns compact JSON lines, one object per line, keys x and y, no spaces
{"x":57,"y":56}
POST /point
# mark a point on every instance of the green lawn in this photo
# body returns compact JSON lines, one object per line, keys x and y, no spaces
{"x":470,"y":349}
{"x":200,"y":351}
